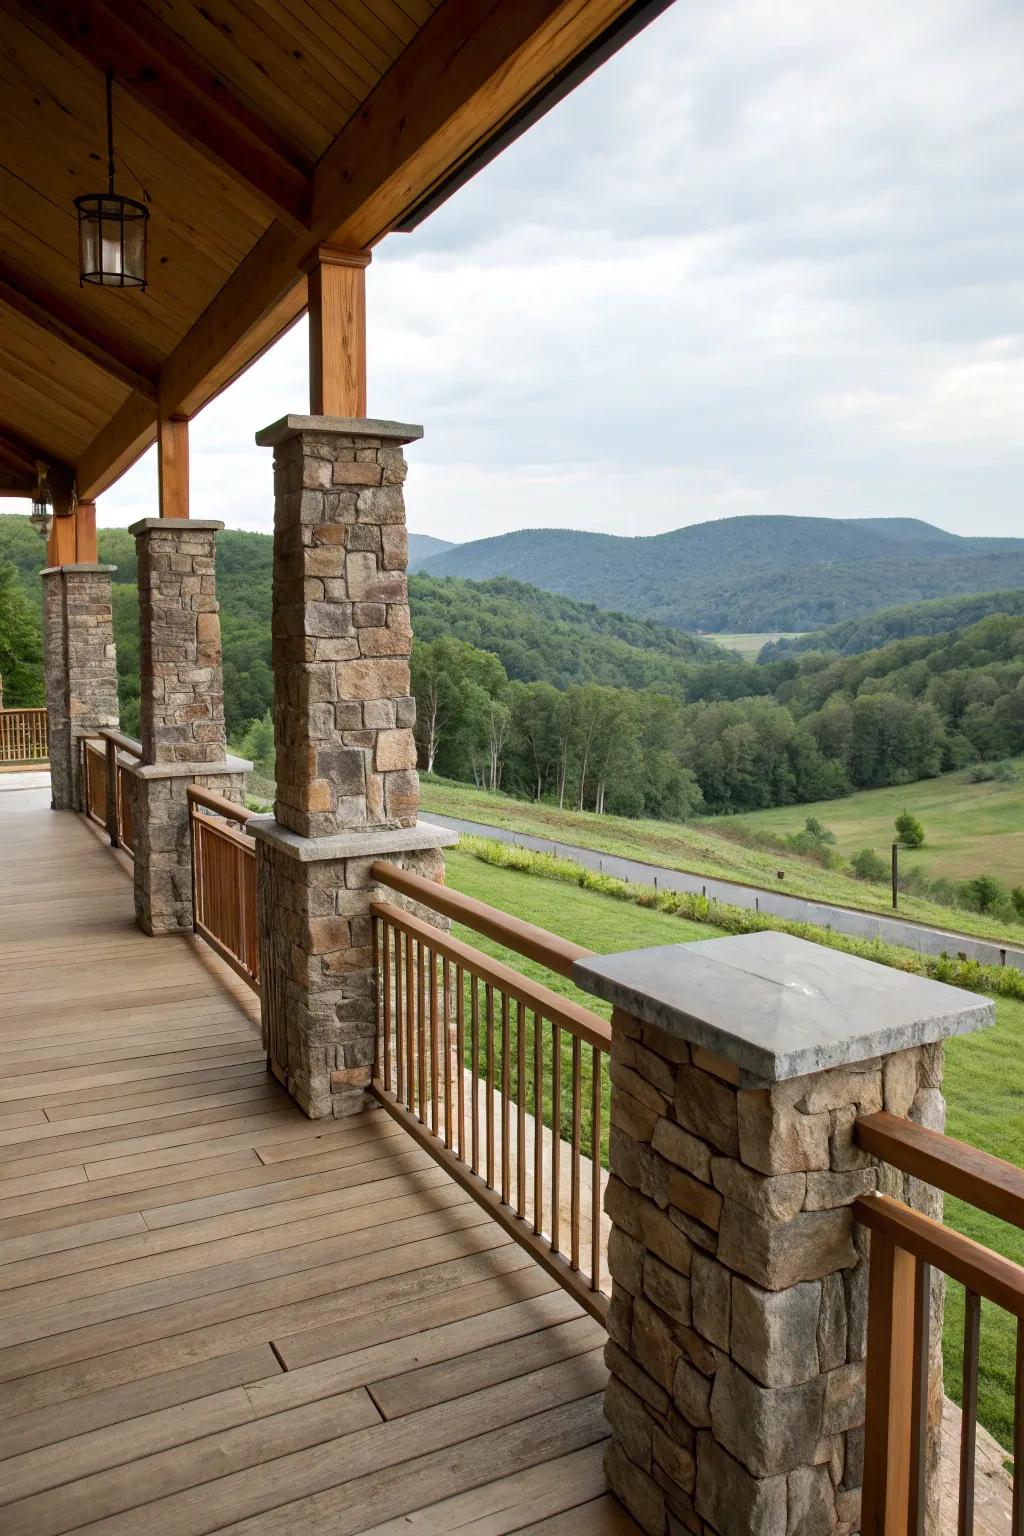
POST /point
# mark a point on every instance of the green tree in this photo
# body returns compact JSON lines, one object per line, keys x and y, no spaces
{"x":868,"y":865}
{"x":21,"y":646}
{"x":909,"y":830}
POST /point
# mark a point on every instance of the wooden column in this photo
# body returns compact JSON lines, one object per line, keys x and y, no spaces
{"x":62,"y":544}
{"x":337,"y":332}
{"x":86,"y":552}
{"x":172,"y":462}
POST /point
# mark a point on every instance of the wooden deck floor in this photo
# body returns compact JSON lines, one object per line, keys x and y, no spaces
{"x":216,"y":1315}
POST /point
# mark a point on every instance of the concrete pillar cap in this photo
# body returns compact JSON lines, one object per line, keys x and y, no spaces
{"x":337,"y":426}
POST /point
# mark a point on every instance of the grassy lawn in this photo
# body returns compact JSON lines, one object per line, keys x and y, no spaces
{"x":971,"y":829}
{"x":984,"y":1079}
{"x":698,"y":848}
{"x":751,"y":646}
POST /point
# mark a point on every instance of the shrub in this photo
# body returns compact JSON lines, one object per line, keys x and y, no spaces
{"x":909,"y":830}
{"x":984,"y":893}
{"x":1017,"y":898}
{"x":869,"y":865}
{"x":818,"y":830}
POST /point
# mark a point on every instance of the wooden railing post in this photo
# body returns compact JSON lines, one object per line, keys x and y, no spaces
{"x":112,"y":828}
{"x":888,"y":1469}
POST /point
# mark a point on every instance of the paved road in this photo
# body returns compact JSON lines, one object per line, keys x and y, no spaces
{"x":860,"y":925}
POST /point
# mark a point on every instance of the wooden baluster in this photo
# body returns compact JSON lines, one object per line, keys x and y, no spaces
{"x":919,"y":1402}
{"x":474,"y":1041}
{"x":446,"y":1046}
{"x":1017,"y":1516}
{"x":574,"y":1185}
{"x":506,"y":1098}
{"x":410,"y":1023}
{"x":521,"y":1109}
{"x":460,"y":1060}
{"x":435,"y":1081}
{"x":421,"y":1032}
{"x":538,"y":1124}
{"x":383,"y":935}
{"x":556,"y":1131}
{"x":399,"y":1017}
{"x":596,"y":1059}
{"x":969,"y":1416}
{"x":489,"y":1101}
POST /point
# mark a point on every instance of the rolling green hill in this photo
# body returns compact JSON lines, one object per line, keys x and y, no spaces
{"x":744,"y":574}
{"x":871,"y":630}
{"x":423,"y":546}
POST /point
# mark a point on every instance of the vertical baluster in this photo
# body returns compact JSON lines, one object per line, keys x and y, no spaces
{"x":556,"y":1132}
{"x":446,"y":1046}
{"x":399,"y":1021}
{"x":538,"y":1124}
{"x":489,"y":1101}
{"x":421,"y":1032}
{"x":460,"y":1059}
{"x":474,"y":1082}
{"x":521,"y":1109}
{"x":506,"y":1097}
{"x":577,"y":1116}
{"x":410,"y":1024}
{"x":595,"y":1168}
{"x":435,"y":1076}
{"x":969,"y":1416}
{"x":1017,"y":1518}
{"x":384,"y":945}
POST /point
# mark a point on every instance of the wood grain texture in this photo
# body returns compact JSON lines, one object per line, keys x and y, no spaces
{"x":217,"y":1314}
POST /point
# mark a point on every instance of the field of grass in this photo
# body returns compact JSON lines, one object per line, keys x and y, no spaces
{"x":970,"y":829}
{"x":698,"y":847}
{"x":984,"y":1082}
{"x":750,"y":646}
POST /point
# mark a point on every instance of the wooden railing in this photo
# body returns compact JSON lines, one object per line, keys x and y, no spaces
{"x":95,"y":780}
{"x":24,"y":736}
{"x":224,"y":881}
{"x":905,"y":1246}
{"x":488,"y":1071}
{"x":106,"y":796}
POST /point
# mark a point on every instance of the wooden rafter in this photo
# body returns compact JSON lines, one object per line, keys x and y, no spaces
{"x":185,"y":93}
{"x":468,"y":71}
{"x":51,"y":313}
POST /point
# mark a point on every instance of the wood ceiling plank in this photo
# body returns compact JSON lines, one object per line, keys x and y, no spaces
{"x":354,"y":59}
{"x":45,"y":309}
{"x":187,"y":96}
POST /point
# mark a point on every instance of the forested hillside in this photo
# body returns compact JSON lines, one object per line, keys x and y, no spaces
{"x":874,"y":629}
{"x":548,"y":697}
{"x":747,"y":573}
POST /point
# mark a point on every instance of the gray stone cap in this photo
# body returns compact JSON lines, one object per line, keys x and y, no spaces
{"x":778,"y":1006}
{"x":81,"y":566}
{"x":176,"y":525}
{"x":337,"y":426}
{"x":360,"y":843}
{"x":222,"y":765}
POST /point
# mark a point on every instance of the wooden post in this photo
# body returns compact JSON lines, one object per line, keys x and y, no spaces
{"x":895,"y":876}
{"x":172,"y":460}
{"x":337,"y":331}
{"x":890,"y":1384}
{"x":62,"y":545}
{"x":86,"y":551}
{"x":111,"y":808}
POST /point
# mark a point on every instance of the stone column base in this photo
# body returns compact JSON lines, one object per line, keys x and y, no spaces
{"x":80,"y":670}
{"x":317,"y":994}
{"x":163,"y":854}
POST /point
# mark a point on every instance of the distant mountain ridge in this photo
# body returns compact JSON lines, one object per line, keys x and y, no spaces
{"x":747,"y":573}
{"x":869,"y":631}
{"x":423,"y":547}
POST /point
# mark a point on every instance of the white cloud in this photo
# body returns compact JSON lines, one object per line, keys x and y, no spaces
{"x":766,"y":260}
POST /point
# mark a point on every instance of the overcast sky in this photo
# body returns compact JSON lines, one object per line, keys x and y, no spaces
{"x":768,"y":259}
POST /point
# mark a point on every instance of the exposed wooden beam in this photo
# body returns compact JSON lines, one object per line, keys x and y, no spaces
{"x":172,"y":466}
{"x":337,"y":332}
{"x":153,"y":64}
{"x":471,"y":67}
{"x":116,"y":446}
{"x":50,"y":313}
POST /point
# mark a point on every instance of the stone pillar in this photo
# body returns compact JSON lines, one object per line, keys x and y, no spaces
{"x":181,"y":713}
{"x":347,"y":789}
{"x":80,"y":668}
{"x":738,"y":1320}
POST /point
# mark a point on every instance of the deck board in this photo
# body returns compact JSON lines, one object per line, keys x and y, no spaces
{"x":216,"y":1315}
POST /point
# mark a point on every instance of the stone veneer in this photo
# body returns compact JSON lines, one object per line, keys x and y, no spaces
{"x":181,"y":712}
{"x":347,"y":788}
{"x":80,"y":670}
{"x":737,"y":1326}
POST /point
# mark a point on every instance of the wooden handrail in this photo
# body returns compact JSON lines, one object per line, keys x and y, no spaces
{"x":123,"y":743}
{"x":525,"y":938}
{"x":218,"y":804}
{"x":568,"y":1015}
{"x":986,"y":1273}
{"x":976,"y":1177}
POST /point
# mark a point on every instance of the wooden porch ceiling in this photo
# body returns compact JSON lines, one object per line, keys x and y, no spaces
{"x":258,"y":129}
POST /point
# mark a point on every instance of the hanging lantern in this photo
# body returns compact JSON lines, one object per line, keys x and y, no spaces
{"x":111,"y":228}
{"x":41,"y":516}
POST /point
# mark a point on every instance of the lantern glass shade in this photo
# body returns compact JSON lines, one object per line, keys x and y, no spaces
{"x":42,"y":512}
{"x":112,"y":240}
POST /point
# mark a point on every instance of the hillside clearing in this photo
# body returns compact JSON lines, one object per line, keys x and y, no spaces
{"x":698,"y":847}
{"x":970,"y":829}
{"x":751,"y":646}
